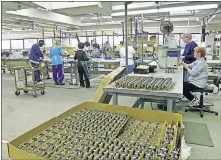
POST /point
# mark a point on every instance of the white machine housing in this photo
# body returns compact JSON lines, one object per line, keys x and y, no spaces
{"x":168,"y":58}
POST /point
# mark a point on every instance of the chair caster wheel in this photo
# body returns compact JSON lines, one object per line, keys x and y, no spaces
{"x":34,"y":95}
{"x":42,"y":92}
{"x":216,"y":114}
{"x":26,"y":91}
{"x":17,"y":93}
{"x":185,"y":110}
{"x":201,"y":115}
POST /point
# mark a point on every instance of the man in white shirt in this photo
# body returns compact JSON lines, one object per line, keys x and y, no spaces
{"x":131,"y":52}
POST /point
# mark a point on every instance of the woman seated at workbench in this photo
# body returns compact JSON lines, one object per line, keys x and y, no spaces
{"x":198,"y":71}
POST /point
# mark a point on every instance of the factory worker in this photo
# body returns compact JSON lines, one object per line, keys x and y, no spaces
{"x":198,"y":71}
{"x":117,"y":49}
{"x":188,"y":54}
{"x":131,"y":52}
{"x":82,"y":65}
{"x":107,"y":46}
{"x":96,"y":52}
{"x":35,"y":57}
{"x":56,"y":53}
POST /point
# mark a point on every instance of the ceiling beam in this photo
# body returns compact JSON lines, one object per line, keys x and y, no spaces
{"x":214,"y":14}
{"x":44,"y":15}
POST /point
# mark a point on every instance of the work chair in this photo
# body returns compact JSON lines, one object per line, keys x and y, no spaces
{"x":201,"y":107}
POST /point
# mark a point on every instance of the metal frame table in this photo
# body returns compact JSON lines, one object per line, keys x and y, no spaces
{"x":169,"y":96}
{"x":214,"y":64}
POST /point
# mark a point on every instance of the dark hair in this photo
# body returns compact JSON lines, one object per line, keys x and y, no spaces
{"x":80,"y":45}
{"x":87,"y":44}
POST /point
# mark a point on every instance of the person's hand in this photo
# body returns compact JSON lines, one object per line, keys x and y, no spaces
{"x":182,"y":57}
{"x":185,"y":66}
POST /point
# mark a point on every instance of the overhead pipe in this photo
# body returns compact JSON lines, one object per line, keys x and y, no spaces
{"x":122,"y":23}
{"x":113,"y":41}
{"x":102,"y":40}
{"x":142,"y":38}
{"x":60,"y":36}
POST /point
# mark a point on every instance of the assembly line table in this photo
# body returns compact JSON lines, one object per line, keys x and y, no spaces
{"x":170,"y":96}
{"x":214,"y":64}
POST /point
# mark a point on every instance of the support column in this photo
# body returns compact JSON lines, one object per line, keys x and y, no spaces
{"x":123,"y":30}
{"x":126,"y":37}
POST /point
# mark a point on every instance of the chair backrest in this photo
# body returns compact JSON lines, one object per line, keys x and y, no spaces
{"x":217,"y":81}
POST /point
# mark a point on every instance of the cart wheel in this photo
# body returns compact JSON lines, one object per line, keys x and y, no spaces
{"x":216,"y":114}
{"x":26,"y":91}
{"x":34,"y":95}
{"x":17,"y":93}
{"x":42,"y":92}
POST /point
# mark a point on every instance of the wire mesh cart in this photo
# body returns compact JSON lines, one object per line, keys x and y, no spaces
{"x":26,"y":83}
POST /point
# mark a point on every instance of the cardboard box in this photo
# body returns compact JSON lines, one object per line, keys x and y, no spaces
{"x":101,"y":96}
{"x":140,"y":114}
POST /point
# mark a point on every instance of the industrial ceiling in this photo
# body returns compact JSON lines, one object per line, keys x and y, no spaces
{"x":30,"y":17}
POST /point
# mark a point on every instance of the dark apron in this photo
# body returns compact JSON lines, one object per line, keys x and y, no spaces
{"x":84,"y":65}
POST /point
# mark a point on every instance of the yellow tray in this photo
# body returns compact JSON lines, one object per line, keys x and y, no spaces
{"x":140,"y":114}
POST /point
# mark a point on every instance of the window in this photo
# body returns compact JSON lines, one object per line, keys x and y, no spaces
{"x":6,"y":44}
{"x":117,"y":40}
{"x":17,"y":44}
{"x":160,"y":40}
{"x":48,"y":42}
{"x":177,"y":37}
{"x":196,"y":38}
{"x":82,"y":39}
{"x":74,"y":42}
{"x":29,"y":42}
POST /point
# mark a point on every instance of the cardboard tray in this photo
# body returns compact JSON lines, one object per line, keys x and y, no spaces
{"x":101,"y":96}
{"x":140,"y":114}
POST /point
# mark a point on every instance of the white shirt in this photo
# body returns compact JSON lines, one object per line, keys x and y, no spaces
{"x":131,"y":52}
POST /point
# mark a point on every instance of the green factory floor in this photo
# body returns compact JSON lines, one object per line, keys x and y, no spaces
{"x":21,"y":114}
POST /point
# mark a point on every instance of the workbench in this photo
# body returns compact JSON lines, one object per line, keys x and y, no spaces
{"x":170,"y":96}
{"x":214,"y":64}
{"x":14,"y":62}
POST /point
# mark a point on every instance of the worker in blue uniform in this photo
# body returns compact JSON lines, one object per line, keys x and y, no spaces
{"x":35,"y":57}
{"x":56,"y":53}
{"x":188,"y":54}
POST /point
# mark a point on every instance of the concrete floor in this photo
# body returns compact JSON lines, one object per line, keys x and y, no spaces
{"x":22,"y":113}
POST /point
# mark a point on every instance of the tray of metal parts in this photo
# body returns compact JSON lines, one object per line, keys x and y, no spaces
{"x":144,"y":82}
{"x":103,"y":132}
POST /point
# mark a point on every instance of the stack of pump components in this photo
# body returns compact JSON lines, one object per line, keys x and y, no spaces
{"x":144,"y":82}
{"x":92,"y":134}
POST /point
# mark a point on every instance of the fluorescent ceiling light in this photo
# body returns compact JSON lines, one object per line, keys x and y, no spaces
{"x":172,"y":9}
{"x":33,"y":33}
{"x":113,"y":22}
{"x":182,"y":12}
{"x":104,"y":17}
{"x":88,"y":24}
{"x":134,"y":5}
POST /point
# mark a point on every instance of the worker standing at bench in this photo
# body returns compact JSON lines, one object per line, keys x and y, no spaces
{"x":35,"y":57}
{"x":82,"y":65}
{"x":188,"y":54}
{"x":56,"y":54}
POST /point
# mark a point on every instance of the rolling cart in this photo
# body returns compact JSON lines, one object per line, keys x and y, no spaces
{"x":21,"y":80}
